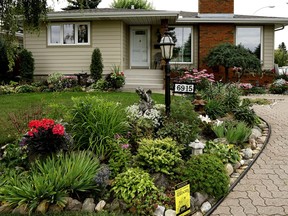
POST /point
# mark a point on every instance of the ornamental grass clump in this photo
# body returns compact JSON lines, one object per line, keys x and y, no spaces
{"x":45,"y":137}
{"x":94,"y":121}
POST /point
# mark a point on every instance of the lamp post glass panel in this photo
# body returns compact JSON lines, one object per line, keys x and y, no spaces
{"x":167,"y":45}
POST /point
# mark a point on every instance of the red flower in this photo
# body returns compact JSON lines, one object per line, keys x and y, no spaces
{"x":58,"y":129}
{"x":34,"y":124}
{"x":47,"y":123}
{"x":32,"y":131}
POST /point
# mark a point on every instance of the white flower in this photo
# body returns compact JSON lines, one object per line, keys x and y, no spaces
{"x":205,"y":118}
{"x":218,"y":122}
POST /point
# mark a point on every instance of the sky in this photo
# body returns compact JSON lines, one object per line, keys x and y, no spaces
{"x":243,"y":7}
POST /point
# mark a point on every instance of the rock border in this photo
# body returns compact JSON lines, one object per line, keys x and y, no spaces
{"x":214,"y":207}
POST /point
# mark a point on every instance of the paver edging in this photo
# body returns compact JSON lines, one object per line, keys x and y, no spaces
{"x":244,"y":172}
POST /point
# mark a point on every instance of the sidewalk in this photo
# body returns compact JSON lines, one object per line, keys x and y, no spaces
{"x":264,"y":189}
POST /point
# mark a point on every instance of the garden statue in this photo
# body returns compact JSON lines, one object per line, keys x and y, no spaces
{"x":199,"y":104}
{"x":145,"y":102}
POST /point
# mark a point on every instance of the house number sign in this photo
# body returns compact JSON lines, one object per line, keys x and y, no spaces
{"x":182,"y":88}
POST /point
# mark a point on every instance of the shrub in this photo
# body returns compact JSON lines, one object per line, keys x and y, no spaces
{"x":206,"y":173}
{"x":136,"y":188}
{"x":94,"y":121}
{"x":54,"y":81}
{"x":3,"y":59}
{"x":116,"y":79}
{"x":25,"y":89}
{"x":96,"y":66}
{"x":226,"y":153}
{"x":26,"y":66}
{"x":100,"y":85}
{"x":45,"y":137}
{"x":159,"y":155}
{"x":234,"y":132}
{"x":51,"y":180}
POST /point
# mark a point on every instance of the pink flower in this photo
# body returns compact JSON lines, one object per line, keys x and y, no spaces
{"x":125,"y":146}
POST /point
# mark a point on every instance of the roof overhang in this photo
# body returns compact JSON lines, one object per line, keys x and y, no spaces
{"x":128,"y":16}
{"x":234,"y":19}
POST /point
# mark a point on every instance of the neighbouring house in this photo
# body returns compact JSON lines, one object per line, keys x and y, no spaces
{"x":129,"y":38}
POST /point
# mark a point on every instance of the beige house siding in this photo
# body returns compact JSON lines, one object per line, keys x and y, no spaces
{"x":125,"y":46}
{"x":106,"y":35}
{"x":268,"y":47}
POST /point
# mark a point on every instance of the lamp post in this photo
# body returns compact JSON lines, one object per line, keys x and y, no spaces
{"x":167,"y":45}
{"x":269,"y":6}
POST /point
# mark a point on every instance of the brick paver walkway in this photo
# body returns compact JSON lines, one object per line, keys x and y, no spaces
{"x":264,"y":189}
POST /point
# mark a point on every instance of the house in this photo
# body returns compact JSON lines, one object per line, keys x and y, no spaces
{"x":129,"y":38}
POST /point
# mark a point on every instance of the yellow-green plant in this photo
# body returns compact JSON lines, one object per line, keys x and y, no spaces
{"x":158,"y":155}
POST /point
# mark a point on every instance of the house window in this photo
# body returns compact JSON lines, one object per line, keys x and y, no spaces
{"x":251,"y":39}
{"x":182,"y":37}
{"x":69,"y":34}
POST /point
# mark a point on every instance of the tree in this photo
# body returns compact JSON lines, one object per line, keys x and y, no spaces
{"x":127,"y":4}
{"x":281,"y":57}
{"x":229,"y":55}
{"x":96,"y":66}
{"x":282,"y":47}
{"x":82,"y":4}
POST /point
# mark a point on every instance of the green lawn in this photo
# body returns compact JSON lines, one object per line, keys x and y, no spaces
{"x":20,"y":106}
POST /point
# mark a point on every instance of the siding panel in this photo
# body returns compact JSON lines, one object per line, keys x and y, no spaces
{"x":105,"y":35}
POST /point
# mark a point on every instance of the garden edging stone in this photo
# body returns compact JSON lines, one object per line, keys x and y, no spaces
{"x":260,"y":148}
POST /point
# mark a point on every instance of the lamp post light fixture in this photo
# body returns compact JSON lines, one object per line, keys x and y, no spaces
{"x":269,"y":6}
{"x":167,"y":44}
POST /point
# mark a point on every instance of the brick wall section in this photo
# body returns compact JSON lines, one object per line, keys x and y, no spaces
{"x":216,"y":6}
{"x":210,"y":35}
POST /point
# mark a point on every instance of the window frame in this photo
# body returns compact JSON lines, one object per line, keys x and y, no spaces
{"x":191,"y":62}
{"x":261,"y":38}
{"x":76,"y":26}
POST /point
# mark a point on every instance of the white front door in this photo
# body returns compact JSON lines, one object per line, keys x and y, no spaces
{"x":140,"y":47}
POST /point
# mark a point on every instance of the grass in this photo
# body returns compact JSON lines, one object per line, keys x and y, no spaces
{"x":21,"y":105}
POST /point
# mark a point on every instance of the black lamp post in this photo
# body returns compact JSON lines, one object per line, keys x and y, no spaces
{"x":167,"y":45}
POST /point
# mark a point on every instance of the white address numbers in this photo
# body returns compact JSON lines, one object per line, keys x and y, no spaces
{"x":184,"y":88}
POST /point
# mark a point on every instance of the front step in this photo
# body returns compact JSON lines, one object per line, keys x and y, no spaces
{"x":144,"y":78}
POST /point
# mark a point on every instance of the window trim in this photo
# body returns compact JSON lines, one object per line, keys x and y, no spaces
{"x":261,"y":38}
{"x":61,"y":24}
{"x":191,"y":62}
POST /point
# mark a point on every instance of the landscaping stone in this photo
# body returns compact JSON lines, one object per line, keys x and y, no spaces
{"x":197,"y":214}
{"x":73,"y":205}
{"x":262,"y":126}
{"x":206,"y":206}
{"x":42,"y":207}
{"x":252,"y":143}
{"x":88,"y":205}
{"x":239,"y":171}
{"x":200,"y":198}
{"x":235,"y":175}
{"x":221,"y":140}
{"x":232,"y":180}
{"x":242,"y":162}
{"x":5,"y":208}
{"x":22,"y":210}
{"x":53,"y":208}
{"x":170,"y":212}
{"x":247,"y":153}
{"x":236,"y":165}
{"x":229,"y":168}
{"x":247,"y":162}
{"x":100,"y":205}
{"x":193,"y":206}
{"x":160,"y":180}
{"x":159,"y":211}
{"x":261,"y":139}
{"x":255,"y":133}
{"x":115,"y":205}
